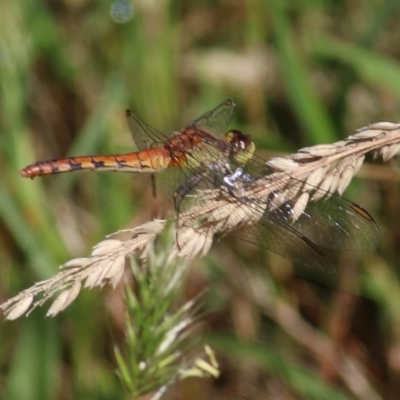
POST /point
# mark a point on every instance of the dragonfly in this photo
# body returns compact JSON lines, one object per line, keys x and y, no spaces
{"x":202,"y":157}
{"x":197,"y":147}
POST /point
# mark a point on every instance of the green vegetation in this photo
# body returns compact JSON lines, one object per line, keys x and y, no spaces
{"x":300,"y":73}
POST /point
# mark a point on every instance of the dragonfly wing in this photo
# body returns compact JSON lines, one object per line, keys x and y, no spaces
{"x":217,"y":120}
{"x":260,"y":228}
{"x":331,"y":221}
{"x":286,"y":241}
{"x":143,"y":135}
{"x":335,"y":223}
{"x":192,"y":187}
{"x":288,"y":223}
{"x":171,"y":179}
{"x":324,"y":225}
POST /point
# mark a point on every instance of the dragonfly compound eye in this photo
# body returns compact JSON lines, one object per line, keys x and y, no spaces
{"x":242,"y":146}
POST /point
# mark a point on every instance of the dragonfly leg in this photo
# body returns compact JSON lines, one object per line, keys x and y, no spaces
{"x":180,"y":195}
{"x":153,"y":185}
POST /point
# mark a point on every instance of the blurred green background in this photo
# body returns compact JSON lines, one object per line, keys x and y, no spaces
{"x":301,"y":73}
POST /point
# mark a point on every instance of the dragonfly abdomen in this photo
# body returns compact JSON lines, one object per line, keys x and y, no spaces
{"x":146,"y":161}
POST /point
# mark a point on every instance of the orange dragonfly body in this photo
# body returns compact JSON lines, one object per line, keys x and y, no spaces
{"x":194,"y":147}
{"x":151,"y":161}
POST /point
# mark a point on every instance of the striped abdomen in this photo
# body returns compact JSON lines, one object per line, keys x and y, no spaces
{"x":146,"y":161}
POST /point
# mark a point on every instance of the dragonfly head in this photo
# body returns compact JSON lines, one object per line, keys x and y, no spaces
{"x":242,"y":146}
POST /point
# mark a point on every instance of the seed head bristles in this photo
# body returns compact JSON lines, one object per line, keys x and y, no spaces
{"x":105,"y":265}
{"x":314,"y":173}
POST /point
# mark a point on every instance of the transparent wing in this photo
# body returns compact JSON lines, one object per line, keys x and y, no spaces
{"x":336,"y":223}
{"x":143,"y":135}
{"x":267,"y":217}
{"x":285,"y":240}
{"x":217,"y":120}
{"x":331,"y":222}
{"x":324,"y":225}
